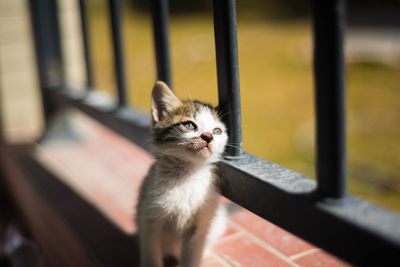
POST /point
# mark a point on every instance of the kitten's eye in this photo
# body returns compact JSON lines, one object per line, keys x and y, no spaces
{"x":189,"y":125}
{"x":217,"y":131}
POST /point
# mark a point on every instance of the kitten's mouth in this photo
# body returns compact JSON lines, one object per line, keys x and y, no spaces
{"x":205,"y":149}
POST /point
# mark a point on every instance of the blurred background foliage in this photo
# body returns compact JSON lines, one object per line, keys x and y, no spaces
{"x":275,"y":48}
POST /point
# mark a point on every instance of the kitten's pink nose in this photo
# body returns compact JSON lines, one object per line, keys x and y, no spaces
{"x":208,"y":137}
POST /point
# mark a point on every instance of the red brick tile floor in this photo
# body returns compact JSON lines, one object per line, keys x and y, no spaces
{"x":107,"y":171}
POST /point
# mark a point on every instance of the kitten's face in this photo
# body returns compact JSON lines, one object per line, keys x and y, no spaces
{"x":186,"y":129}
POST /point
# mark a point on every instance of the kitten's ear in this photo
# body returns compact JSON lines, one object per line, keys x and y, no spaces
{"x":162,"y":101}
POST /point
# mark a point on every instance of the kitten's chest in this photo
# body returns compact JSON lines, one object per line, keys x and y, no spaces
{"x":184,"y":198}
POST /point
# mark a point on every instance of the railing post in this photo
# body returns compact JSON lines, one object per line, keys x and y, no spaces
{"x":116,"y":18}
{"x":45,"y":24}
{"x":161,"y":40}
{"x":330,"y":104}
{"x":2,"y":115}
{"x":86,"y":43}
{"x":228,"y":72}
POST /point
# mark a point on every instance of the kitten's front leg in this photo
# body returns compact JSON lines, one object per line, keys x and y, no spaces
{"x":193,"y":246}
{"x":150,"y":245}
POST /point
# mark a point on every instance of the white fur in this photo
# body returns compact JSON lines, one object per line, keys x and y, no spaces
{"x":207,"y":123}
{"x":179,"y":201}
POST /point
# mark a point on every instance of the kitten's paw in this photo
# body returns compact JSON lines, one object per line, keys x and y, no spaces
{"x":170,"y":261}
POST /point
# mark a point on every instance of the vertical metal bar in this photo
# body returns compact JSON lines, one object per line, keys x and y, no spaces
{"x":161,"y":40}
{"x":44,"y":17}
{"x":116,"y":18}
{"x":2,"y":115}
{"x":86,"y":43}
{"x":228,"y":72}
{"x":330,"y":104}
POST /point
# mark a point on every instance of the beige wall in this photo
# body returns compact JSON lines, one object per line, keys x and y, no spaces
{"x":20,"y":99}
{"x":20,"y":105}
{"x":72,"y":41}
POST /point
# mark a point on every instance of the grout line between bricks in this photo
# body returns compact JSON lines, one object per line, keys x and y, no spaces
{"x":220,"y":259}
{"x":264,"y":244}
{"x":229,"y":237}
{"x":305,"y":253}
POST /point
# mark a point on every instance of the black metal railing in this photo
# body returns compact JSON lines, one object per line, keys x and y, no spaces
{"x":161,"y":40}
{"x":330,"y":108}
{"x":115,"y":7}
{"x":86,"y":43}
{"x":228,"y":72}
{"x":319,"y":211}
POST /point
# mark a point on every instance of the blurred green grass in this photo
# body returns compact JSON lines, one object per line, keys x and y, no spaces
{"x":276,"y":92}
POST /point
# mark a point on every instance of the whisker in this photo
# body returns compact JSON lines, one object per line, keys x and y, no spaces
{"x":223,"y":114}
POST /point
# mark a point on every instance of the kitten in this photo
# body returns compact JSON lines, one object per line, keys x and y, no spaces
{"x":178,"y":210}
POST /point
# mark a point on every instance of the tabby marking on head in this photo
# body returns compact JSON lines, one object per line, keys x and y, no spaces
{"x":186,"y":129}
